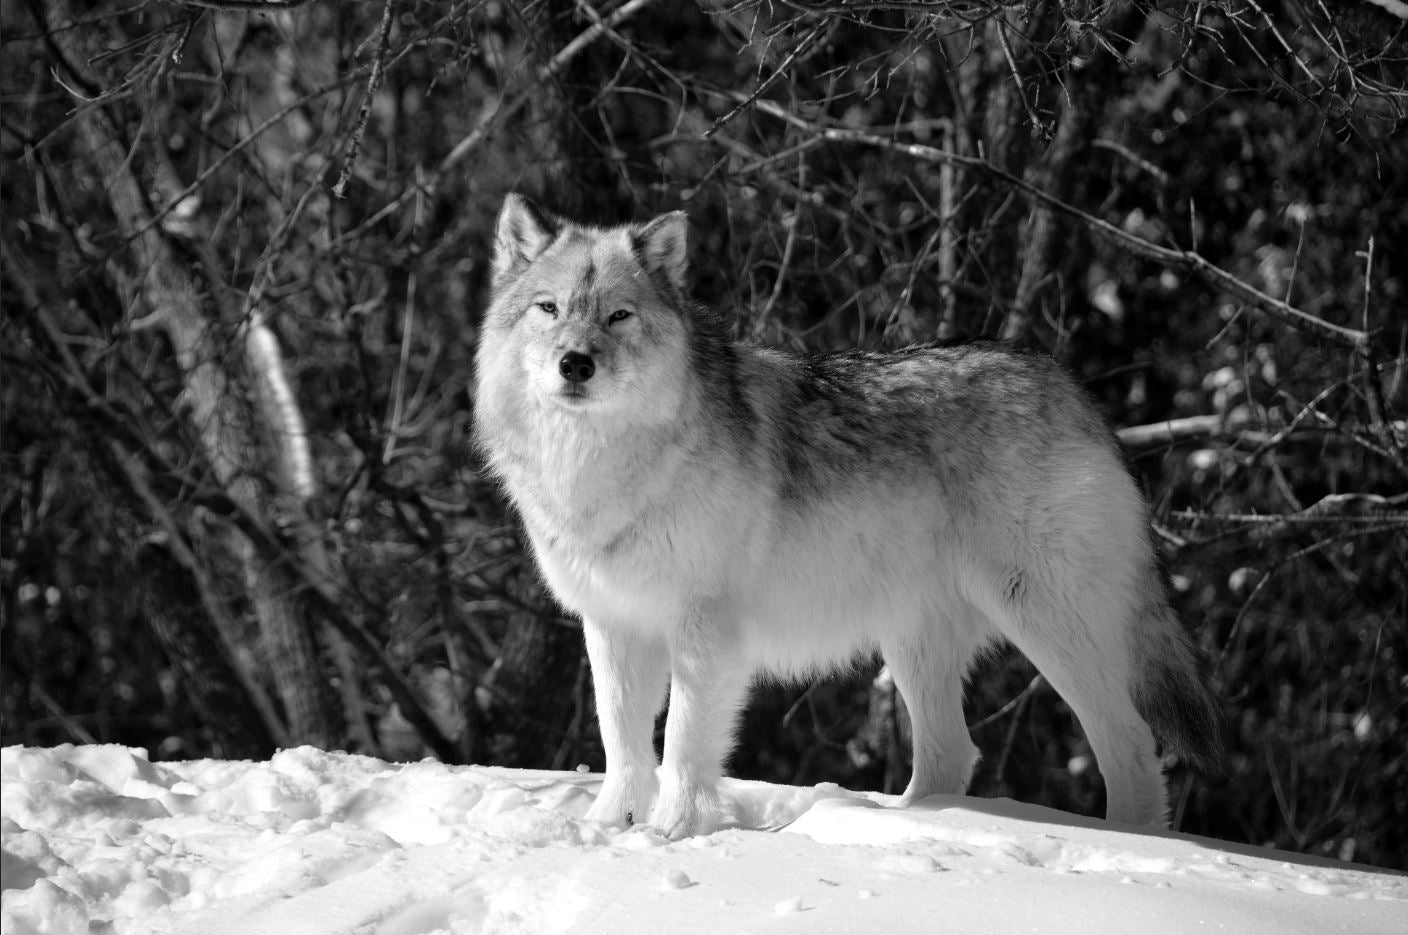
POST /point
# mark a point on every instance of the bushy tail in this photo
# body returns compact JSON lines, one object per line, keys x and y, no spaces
{"x":1171,"y":693}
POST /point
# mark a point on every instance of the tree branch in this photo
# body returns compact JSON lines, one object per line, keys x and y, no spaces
{"x":354,"y":144}
{"x":1185,"y":260}
{"x":1239,"y":431}
{"x":499,"y":115}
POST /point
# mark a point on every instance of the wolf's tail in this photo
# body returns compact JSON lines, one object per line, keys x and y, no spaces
{"x":1171,"y":693}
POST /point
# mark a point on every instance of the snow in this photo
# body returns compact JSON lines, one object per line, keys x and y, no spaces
{"x":96,"y":839}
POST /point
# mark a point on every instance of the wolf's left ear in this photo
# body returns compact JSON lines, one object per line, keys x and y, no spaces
{"x":663,"y":245}
{"x":520,"y":234}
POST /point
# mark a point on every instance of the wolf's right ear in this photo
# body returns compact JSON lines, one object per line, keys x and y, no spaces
{"x":520,"y":234}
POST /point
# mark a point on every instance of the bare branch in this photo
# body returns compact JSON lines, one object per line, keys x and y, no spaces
{"x":500,"y":114}
{"x":1185,"y":260}
{"x":1239,"y":431}
{"x":1133,"y":158}
{"x":239,"y":146}
{"x":1040,"y":128}
{"x":1346,"y":508}
{"x":354,"y":144}
{"x":806,"y":42}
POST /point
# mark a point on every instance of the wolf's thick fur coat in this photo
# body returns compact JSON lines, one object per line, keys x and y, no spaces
{"x":713,"y":509}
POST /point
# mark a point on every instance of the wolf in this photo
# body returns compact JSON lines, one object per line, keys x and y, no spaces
{"x":714,"y":510}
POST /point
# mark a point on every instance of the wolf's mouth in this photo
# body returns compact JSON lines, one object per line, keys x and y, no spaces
{"x":573,"y":395}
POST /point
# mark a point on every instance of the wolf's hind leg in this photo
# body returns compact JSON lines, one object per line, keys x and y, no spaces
{"x":1090,"y":667}
{"x":928,"y":668}
{"x":629,"y":671}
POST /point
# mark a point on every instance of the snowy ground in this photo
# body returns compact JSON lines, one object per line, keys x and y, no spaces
{"x":98,"y":840}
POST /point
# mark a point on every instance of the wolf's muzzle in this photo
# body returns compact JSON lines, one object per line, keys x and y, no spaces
{"x":576,"y":367}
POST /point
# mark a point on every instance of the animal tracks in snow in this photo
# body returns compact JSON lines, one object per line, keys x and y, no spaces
{"x":97,"y":839}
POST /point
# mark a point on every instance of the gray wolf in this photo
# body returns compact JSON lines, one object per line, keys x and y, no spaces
{"x":713,"y":509}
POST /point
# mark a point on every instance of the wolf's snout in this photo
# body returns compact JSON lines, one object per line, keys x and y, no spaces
{"x":576,"y":367}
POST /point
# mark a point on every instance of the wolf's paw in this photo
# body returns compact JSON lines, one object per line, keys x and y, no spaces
{"x":623,"y":800}
{"x":677,"y":824}
{"x":684,"y":813}
{"x":609,"y":812}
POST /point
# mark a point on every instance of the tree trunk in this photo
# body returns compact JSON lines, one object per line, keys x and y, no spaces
{"x":171,"y":600}
{"x":1042,"y":230}
{"x":217,"y":409}
{"x":991,"y":122}
{"x":1046,"y":250}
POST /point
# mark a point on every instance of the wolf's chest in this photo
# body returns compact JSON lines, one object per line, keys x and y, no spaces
{"x":637,"y":575}
{"x":605,"y":540}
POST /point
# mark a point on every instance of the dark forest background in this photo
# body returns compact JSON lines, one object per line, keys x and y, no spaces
{"x":244,"y":255}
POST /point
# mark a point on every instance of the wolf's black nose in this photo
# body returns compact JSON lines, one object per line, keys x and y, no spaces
{"x":576,"y":367}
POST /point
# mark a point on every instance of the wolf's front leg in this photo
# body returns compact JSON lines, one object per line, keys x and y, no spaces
{"x":629,"y":672}
{"x":708,"y":682}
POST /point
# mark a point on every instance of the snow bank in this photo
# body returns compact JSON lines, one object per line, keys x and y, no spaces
{"x":98,"y":840}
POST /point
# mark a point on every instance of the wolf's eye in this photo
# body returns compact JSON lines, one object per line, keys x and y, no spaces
{"x":619,"y":315}
{"x":549,"y":307}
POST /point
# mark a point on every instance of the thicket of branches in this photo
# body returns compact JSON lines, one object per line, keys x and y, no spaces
{"x":244,"y":253}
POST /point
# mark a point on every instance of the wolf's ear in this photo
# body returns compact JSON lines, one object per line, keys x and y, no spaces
{"x":663,"y":245}
{"x":520,"y":234}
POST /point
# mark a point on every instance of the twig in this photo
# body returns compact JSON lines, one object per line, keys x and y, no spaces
{"x":354,"y":144}
{"x":789,"y":246}
{"x":1017,"y":704}
{"x":1039,"y":127}
{"x":1390,"y":438}
{"x":398,"y":396}
{"x":1132,"y":157}
{"x":948,"y":239}
{"x":71,"y":724}
{"x":1287,"y":811}
{"x":1016,"y":701}
{"x":1309,"y":412}
{"x":767,"y":82}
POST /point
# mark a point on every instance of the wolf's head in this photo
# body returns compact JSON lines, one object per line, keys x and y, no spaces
{"x":588,"y":319}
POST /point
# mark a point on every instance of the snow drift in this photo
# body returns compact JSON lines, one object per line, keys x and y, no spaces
{"x":96,"y":839}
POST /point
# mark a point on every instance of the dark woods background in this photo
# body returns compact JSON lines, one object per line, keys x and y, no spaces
{"x":244,"y":252}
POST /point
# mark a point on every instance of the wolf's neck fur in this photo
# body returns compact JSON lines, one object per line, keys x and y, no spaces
{"x":585,"y":477}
